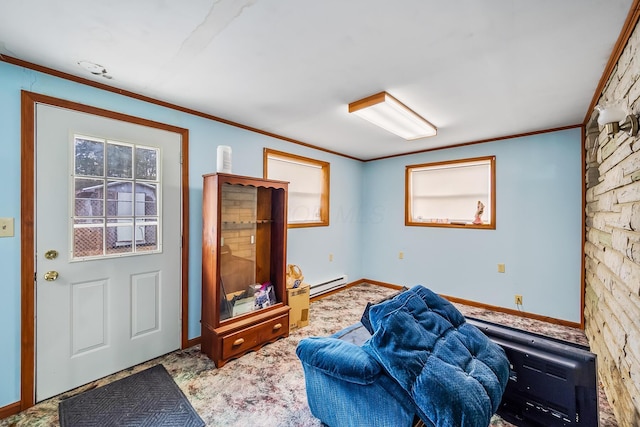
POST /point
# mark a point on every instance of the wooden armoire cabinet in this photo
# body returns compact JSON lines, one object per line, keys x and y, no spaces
{"x":244,"y":246}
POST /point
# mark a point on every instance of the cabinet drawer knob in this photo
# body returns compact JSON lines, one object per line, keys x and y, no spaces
{"x":238,"y":342}
{"x":277,"y":326}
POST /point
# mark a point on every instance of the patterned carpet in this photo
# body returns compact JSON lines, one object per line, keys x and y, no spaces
{"x":266,"y":388}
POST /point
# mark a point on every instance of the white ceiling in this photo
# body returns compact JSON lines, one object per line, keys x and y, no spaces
{"x":477,"y":69}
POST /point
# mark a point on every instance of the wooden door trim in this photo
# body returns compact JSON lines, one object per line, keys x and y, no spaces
{"x":27,"y":230}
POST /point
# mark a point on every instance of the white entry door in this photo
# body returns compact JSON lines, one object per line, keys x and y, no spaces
{"x":108,"y":246}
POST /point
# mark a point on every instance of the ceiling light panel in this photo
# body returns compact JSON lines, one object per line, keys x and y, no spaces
{"x":392,"y":115}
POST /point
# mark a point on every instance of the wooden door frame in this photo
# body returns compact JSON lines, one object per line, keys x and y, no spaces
{"x":29,"y":100}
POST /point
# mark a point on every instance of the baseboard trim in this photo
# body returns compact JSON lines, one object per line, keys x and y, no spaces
{"x":383,"y":284}
{"x":350,"y":285}
{"x":513,"y":312}
{"x":497,"y":308}
{"x":192,"y":342}
{"x":7,"y":411}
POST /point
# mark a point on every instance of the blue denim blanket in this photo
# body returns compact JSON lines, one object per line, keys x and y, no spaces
{"x":454,"y":374}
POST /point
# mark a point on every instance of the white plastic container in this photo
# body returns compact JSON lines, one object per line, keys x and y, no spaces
{"x":224,"y":159}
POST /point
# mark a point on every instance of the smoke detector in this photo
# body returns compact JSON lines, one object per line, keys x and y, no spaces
{"x":95,"y":69}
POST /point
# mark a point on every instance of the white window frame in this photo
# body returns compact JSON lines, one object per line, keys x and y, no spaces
{"x":447,"y":194}
{"x":154,"y":220}
{"x":308,"y":204}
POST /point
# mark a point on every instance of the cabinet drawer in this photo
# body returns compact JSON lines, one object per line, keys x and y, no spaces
{"x":239,"y":342}
{"x":254,"y":336}
{"x":273,"y":329}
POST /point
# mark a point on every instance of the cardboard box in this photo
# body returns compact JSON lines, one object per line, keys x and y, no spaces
{"x":298,"y":299}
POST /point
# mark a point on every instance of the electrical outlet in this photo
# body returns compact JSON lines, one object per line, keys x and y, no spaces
{"x":6,"y":227}
{"x":401,"y":255}
{"x":518,"y":299}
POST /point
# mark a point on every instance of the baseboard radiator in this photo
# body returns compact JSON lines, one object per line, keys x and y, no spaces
{"x":329,"y":285}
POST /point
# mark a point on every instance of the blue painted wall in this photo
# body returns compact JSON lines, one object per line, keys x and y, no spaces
{"x":538,"y":234}
{"x":10,"y":78}
{"x":538,"y":216}
{"x":308,"y":247}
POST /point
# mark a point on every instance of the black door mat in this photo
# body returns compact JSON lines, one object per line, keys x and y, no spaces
{"x":147,"y":398}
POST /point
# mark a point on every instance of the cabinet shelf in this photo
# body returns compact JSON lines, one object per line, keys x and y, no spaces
{"x":244,"y":225}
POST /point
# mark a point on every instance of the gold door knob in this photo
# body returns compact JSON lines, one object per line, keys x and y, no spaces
{"x":51,"y":254}
{"x":50,"y":276}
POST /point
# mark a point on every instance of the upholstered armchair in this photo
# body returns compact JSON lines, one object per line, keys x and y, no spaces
{"x":418,"y":360}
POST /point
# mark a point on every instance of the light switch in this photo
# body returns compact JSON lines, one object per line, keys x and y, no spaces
{"x":6,"y":227}
{"x":500,"y":268}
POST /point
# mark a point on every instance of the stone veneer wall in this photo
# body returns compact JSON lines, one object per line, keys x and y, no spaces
{"x":612,"y":247}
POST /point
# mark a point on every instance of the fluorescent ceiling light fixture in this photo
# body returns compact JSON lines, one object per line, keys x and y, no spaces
{"x":390,"y":114}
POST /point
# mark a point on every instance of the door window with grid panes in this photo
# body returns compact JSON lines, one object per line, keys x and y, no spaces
{"x":116,"y":198}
